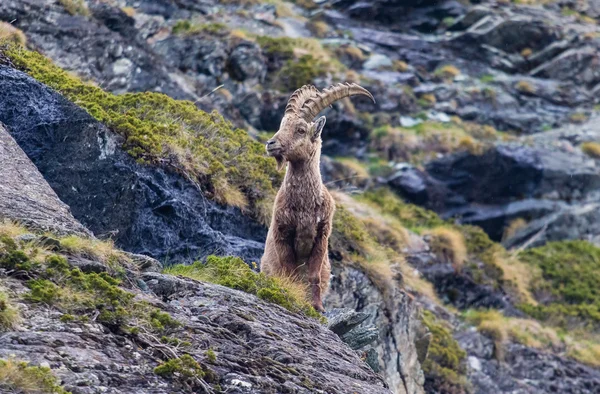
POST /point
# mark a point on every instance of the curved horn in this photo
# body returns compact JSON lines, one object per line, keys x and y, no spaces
{"x":298,"y":98}
{"x":318,"y":101}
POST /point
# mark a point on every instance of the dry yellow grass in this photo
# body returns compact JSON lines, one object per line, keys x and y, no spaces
{"x":11,"y":228}
{"x":11,"y":34}
{"x":591,"y":149}
{"x":355,"y":167}
{"x":129,"y":11}
{"x":526,"y":52}
{"x":448,"y":244}
{"x":518,"y":274}
{"x":352,"y":52}
{"x":525,"y":87}
{"x":318,"y":28}
{"x":400,"y":66}
{"x":472,"y":146}
{"x":447,"y":72}
{"x":512,"y":228}
{"x":578,"y":117}
{"x":581,"y":347}
{"x":75,"y":7}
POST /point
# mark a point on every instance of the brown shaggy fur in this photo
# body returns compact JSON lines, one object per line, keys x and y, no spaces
{"x":303,"y":212}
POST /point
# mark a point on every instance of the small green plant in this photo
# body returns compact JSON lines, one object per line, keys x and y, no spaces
{"x":487,"y":78}
{"x":9,"y":314}
{"x":184,"y":371}
{"x":20,"y":377}
{"x":211,"y":356}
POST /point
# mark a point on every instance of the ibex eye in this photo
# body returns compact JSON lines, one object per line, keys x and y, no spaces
{"x":302,"y":131}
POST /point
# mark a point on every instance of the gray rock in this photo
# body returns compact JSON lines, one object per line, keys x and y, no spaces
{"x":26,"y":197}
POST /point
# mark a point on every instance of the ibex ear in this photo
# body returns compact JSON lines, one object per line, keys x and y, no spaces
{"x":318,"y":128}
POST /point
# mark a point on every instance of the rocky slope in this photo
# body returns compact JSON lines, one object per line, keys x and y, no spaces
{"x":485,"y":114}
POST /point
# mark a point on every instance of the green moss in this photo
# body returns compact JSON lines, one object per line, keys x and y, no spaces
{"x":445,"y":367}
{"x":170,"y":133}
{"x":67,"y":318}
{"x":211,"y":356}
{"x":20,"y":377}
{"x":487,"y":78}
{"x":569,"y":283}
{"x":12,"y":258}
{"x":189,"y":28}
{"x":234,"y":273}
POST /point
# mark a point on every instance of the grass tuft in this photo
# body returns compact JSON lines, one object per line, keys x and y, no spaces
{"x":448,"y":244}
{"x":20,"y":377}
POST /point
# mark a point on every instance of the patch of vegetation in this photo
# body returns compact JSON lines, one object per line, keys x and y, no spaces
{"x":318,"y":28}
{"x":10,"y":34}
{"x":525,"y":87}
{"x":187,"y":27}
{"x":20,"y":377}
{"x":570,"y":273}
{"x":513,"y":227}
{"x":578,"y":117}
{"x":9,"y":314}
{"x":234,"y":273}
{"x":487,"y":78}
{"x":591,"y":149}
{"x":410,"y":216}
{"x":75,"y":7}
{"x":445,"y":367}
{"x":184,"y":370}
{"x":528,"y":332}
{"x":298,"y":72}
{"x":447,"y":72}
{"x":211,"y":356}
{"x":94,"y":249}
{"x":449,"y":245}
{"x":175,"y":134}
{"x":428,"y":139}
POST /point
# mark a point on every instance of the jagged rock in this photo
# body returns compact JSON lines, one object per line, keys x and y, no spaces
{"x":361,"y":337}
{"x":26,"y":197}
{"x":147,"y":210}
{"x":343,"y":320}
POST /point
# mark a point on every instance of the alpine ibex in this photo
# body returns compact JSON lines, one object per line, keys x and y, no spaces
{"x":303,"y":211}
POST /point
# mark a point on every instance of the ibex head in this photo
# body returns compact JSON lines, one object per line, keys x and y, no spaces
{"x":299,"y":137}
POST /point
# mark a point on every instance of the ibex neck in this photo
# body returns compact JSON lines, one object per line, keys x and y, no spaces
{"x":304,"y":173}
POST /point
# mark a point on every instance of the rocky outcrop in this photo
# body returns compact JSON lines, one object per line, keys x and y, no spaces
{"x":396,"y":317}
{"x":26,"y":197}
{"x":144,"y":209}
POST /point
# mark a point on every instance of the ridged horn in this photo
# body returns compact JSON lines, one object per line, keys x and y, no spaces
{"x":298,"y":98}
{"x":317,"y":101}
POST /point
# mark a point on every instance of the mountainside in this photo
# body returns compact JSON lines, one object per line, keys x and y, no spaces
{"x":465,"y":238}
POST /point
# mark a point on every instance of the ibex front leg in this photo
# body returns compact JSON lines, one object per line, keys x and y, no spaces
{"x":315,"y":264}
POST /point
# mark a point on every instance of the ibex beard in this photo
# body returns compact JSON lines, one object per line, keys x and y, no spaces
{"x":303,"y":212}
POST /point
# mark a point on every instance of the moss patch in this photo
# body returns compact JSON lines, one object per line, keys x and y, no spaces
{"x":234,"y":273}
{"x":20,"y":377}
{"x":568,"y":283}
{"x":445,"y":366}
{"x":171,"y":133}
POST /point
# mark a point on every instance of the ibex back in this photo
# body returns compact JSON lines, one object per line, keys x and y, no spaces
{"x":303,"y":211}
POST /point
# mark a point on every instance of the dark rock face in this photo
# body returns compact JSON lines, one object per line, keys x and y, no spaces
{"x":26,"y":197}
{"x":524,"y":370}
{"x":145,"y":210}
